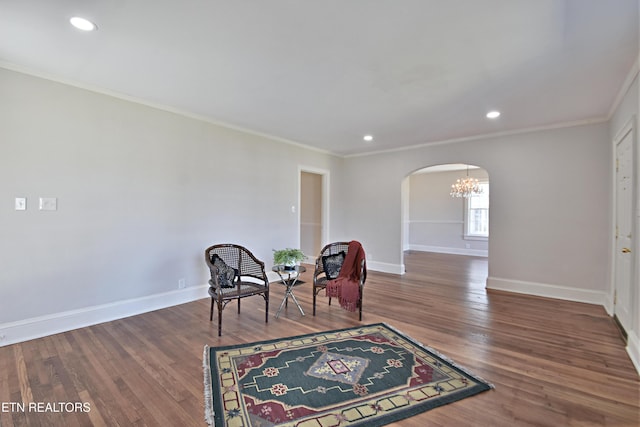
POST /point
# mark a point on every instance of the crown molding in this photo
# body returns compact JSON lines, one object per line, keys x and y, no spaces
{"x":631,"y":76}
{"x":562,"y":125}
{"x":91,"y":88}
{"x":626,"y":85}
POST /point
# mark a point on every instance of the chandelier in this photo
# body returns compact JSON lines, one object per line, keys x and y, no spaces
{"x":466,"y":187}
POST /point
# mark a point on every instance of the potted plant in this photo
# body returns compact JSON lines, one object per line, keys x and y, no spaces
{"x":288,"y":257}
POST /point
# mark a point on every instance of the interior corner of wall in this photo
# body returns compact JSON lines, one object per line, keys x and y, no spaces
{"x":633,"y":349}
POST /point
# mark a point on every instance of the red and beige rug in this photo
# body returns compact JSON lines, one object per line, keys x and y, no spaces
{"x":369,"y":375}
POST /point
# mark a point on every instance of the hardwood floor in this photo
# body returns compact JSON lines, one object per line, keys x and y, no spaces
{"x":553,"y":363}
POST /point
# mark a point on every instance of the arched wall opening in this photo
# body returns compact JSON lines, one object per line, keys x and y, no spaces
{"x":434,"y":221}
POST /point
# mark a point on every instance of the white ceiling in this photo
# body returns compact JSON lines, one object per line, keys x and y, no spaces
{"x":325,"y":73}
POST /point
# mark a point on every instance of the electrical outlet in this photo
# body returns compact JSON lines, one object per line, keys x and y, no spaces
{"x":182,"y":283}
{"x":48,"y":204}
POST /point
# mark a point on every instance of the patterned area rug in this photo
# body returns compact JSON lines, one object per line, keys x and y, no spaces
{"x":370,"y":375}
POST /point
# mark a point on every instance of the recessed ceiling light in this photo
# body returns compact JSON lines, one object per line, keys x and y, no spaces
{"x":493,"y":114}
{"x":82,"y":24}
{"x":368,"y":138}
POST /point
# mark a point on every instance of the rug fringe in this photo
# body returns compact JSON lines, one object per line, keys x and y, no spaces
{"x":208,"y":391}
{"x":440,"y":355}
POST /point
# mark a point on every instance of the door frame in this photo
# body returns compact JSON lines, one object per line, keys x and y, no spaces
{"x":324,"y":235}
{"x":629,"y":128}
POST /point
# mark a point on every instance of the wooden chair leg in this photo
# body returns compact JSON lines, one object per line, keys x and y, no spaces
{"x":219,"y":318}
{"x":314,"y":301}
{"x":266,"y":308}
{"x":239,"y":305}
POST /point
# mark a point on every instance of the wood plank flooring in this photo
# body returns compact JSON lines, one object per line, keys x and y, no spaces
{"x":553,"y":363}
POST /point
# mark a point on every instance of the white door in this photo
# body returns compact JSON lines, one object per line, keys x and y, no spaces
{"x":623,"y":292}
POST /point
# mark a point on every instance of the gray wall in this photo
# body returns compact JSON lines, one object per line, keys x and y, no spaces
{"x":141,"y":193}
{"x":547,"y":227}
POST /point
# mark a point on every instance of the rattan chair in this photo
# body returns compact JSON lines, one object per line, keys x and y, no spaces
{"x":320,"y":278}
{"x":247,"y":278}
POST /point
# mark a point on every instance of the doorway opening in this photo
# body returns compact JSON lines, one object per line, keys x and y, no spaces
{"x":434,"y":221}
{"x":313,"y":215}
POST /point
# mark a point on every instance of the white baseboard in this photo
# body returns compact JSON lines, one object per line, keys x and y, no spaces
{"x":548,"y":290}
{"x":272,"y":276}
{"x":37,"y":327}
{"x":385,"y":267}
{"x":571,"y":294}
{"x":633,"y":350}
{"x":452,"y":251}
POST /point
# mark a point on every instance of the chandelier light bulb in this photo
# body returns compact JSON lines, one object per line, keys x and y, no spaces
{"x":465,"y":188}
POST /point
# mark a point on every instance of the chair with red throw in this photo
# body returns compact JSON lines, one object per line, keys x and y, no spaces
{"x":341,"y":269}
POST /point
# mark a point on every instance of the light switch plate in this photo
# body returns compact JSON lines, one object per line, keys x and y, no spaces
{"x":21,"y":203}
{"x":48,"y":204}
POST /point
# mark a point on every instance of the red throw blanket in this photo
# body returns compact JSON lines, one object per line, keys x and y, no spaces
{"x":346,"y":287}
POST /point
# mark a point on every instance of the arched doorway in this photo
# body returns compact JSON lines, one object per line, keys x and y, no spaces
{"x":434,"y":221}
